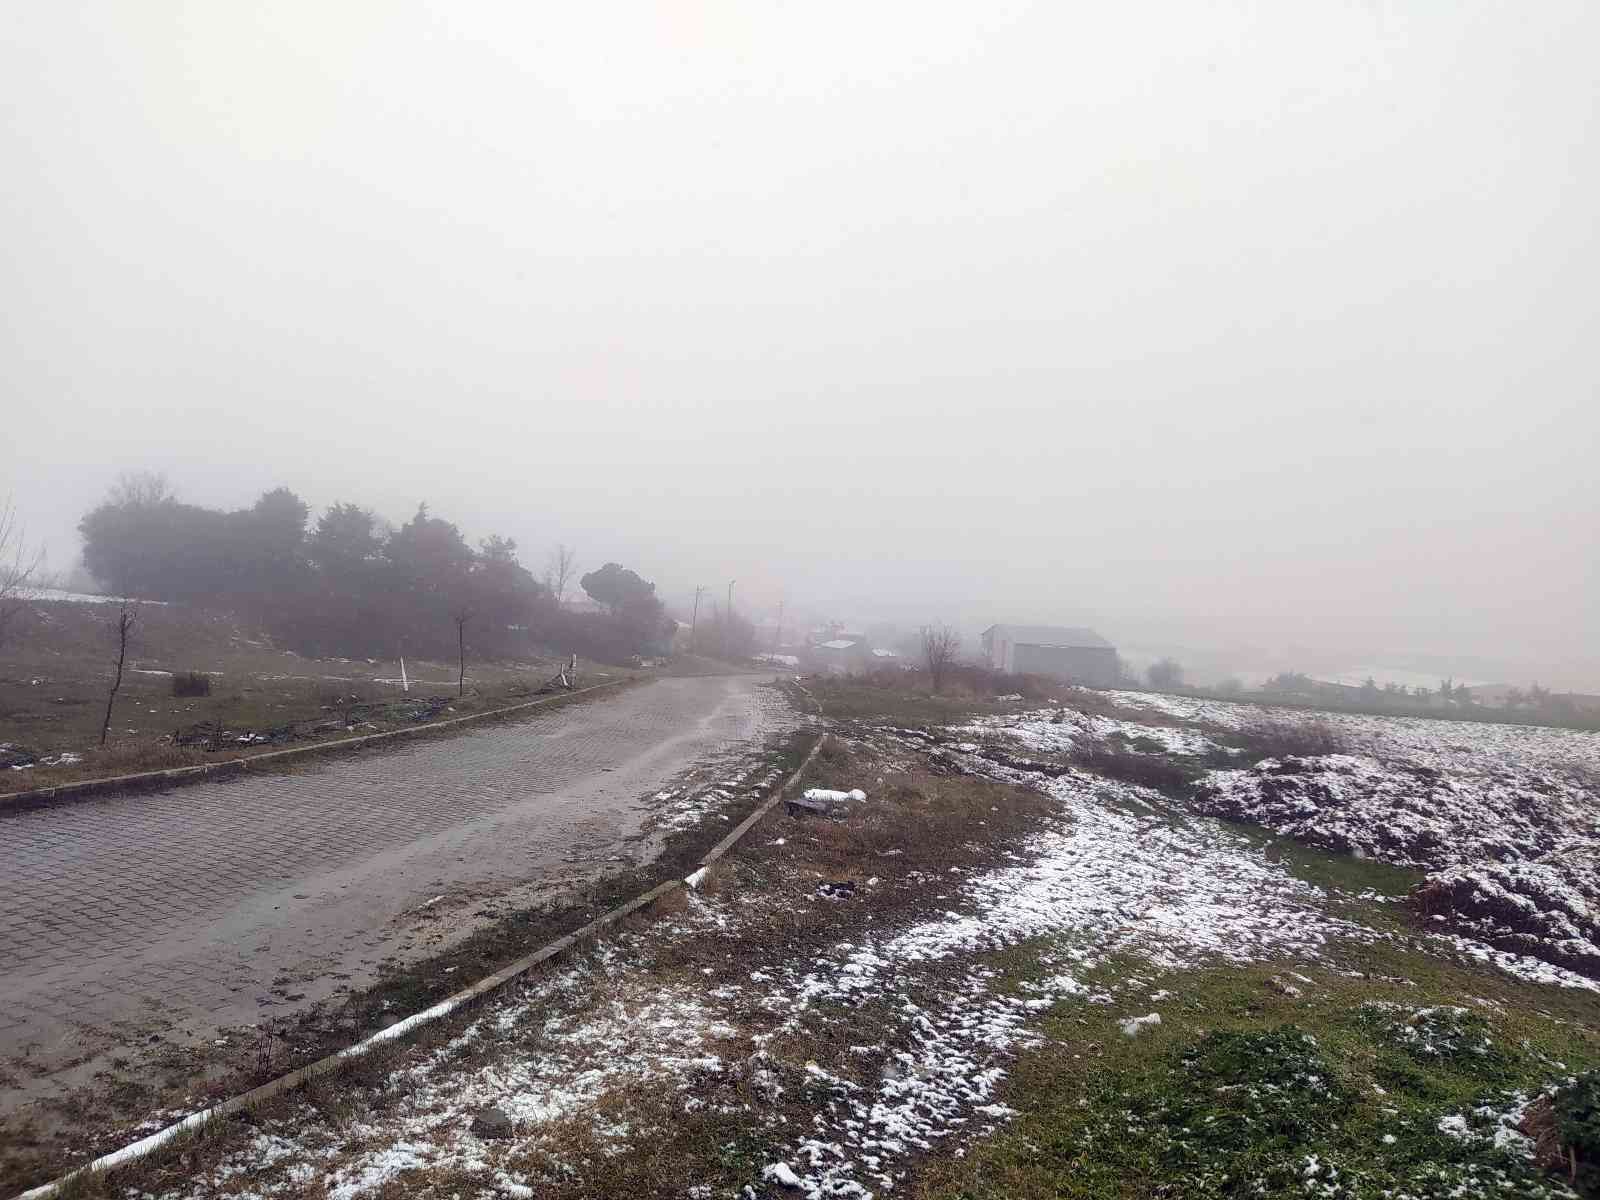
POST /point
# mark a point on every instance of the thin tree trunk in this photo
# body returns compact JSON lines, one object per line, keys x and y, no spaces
{"x":124,"y":623}
{"x":461,"y":648}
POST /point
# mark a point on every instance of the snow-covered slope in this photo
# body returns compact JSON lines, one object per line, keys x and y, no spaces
{"x":1506,"y":817}
{"x":1404,"y":812}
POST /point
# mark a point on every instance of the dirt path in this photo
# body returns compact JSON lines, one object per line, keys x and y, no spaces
{"x":177,"y":914}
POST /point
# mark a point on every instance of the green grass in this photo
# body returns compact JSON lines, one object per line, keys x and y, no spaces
{"x":1244,"y":1090}
{"x":1577,"y":1118}
{"x":1335,"y":872}
{"x":849,"y":699}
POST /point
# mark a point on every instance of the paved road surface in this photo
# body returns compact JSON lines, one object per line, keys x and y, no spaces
{"x":183,"y":911}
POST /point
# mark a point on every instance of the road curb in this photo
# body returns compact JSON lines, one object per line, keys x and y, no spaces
{"x":505,"y":976}
{"x":179,"y":776}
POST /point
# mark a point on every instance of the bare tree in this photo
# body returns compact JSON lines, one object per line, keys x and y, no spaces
{"x":558,"y":573}
{"x":19,"y":565}
{"x":141,"y":489}
{"x":940,"y":644}
{"x":127,"y":613}
{"x":461,"y":618}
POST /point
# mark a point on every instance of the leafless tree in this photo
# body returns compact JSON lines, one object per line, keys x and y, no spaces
{"x":461,"y":618}
{"x":562,"y":567}
{"x":19,"y":567}
{"x":940,"y":645}
{"x":141,"y":489}
{"x":127,"y":613}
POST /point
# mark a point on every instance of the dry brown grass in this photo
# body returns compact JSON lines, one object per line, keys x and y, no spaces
{"x":912,"y":820}
{"x":54,"y":678}
{"x":1285,"y":739}
{"x":317,"y":712}
{"x":1169,"y":776}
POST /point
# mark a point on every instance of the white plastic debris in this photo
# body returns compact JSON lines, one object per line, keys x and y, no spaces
{"x":1134,"y":1026}
{"x":697,"y":878}
{"x":835,"y":797}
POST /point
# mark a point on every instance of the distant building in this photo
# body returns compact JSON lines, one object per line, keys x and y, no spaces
{"x":1077,"y":654}
{"x":841,"y":655}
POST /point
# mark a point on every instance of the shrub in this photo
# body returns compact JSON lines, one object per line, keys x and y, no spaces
{"x":1289,"y":739}
{"x":1577,"y":1113}
{"x":191,"y":683}
{"x":1153,"y":771}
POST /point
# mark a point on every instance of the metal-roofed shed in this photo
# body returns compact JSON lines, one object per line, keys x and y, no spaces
{"x":1060,"y":651}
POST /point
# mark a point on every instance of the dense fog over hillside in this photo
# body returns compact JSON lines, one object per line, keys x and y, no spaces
{"x":1266,"y":331}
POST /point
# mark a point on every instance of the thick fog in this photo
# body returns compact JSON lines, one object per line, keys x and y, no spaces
{"x":1265,"y":326}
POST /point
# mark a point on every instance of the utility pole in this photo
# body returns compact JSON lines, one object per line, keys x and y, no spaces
{"x":731,"y":582}
{"x":777,"y":638}
{"x":694,"y":622}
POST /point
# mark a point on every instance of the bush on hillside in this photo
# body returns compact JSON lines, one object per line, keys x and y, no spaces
{"x":1289,"y":739}
{"x":191,"y":683}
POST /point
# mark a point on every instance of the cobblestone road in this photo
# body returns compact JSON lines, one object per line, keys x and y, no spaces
{"x":222,"y":903}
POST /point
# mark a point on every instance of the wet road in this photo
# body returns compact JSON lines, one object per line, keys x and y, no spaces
{"x":227,"y":902}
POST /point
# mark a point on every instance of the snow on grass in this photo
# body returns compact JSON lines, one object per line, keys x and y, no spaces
{"x":61,"y":596}
{"x":1114,"y":876}
{"x":1506,"y":817}
{"x":1497,"y":1124}
{"x":547,"y":1055}
{"x":1115,"y":873}
{"x":1060,"y":730}
{"x":1133,"y":878}
{"x":1195,"y":885}
{"x":1549,"y":907}
{"x":1433,"y":1032}
{"x":1404,"y":813}
{"x":1478,"y":747}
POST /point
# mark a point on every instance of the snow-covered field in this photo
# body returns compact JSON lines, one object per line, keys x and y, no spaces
{"x":1545,"y":906}
{"x":1477,"y":746}
{"x":1389,"y":808}
{"x":1061,"y":730}
{"x":1114,"y":874}
{"x":59,"y":596}
{"x":1506,"y":816}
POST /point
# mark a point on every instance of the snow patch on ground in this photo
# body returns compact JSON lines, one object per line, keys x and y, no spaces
{"x":1549,"y":907}
{"x":1115,"y":875}
{"x":1060,"y":730}
{"x":1475,"y":746}
{"x":1506,"y":817}
{"x":1404,"y":813}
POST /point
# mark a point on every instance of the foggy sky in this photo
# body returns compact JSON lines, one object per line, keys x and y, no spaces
{"x":1267,"y":324}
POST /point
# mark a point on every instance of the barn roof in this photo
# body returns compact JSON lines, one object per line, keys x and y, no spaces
{"x":1050,"y":635}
